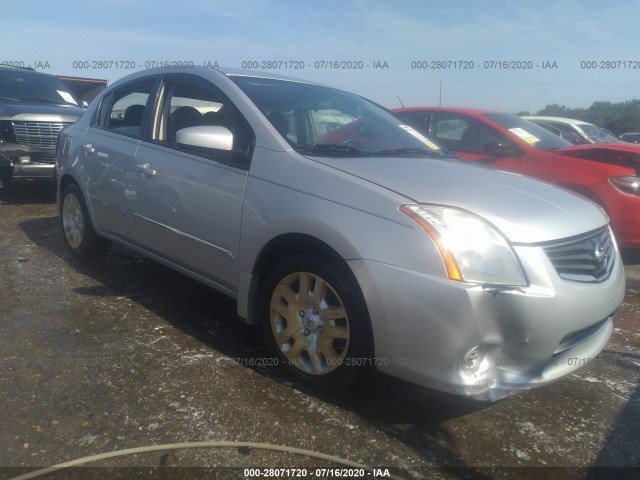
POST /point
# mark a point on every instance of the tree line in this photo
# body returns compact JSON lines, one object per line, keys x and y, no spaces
{"x":618,"y":117}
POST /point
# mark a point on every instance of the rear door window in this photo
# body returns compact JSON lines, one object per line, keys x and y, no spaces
{"x":124,"y":111}
{"x":463,"y":133}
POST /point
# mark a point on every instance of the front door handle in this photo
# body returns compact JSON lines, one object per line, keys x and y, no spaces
{"x":146,"y":169}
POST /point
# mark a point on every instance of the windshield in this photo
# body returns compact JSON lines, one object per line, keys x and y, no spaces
{"x":323,"y":121}
{"x":597,"y":134}
{"x":535,"y":135}
{"x":23,"y":85}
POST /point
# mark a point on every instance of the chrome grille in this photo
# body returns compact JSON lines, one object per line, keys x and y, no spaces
{"x":587,"y":258}
{"x":38,"y":134}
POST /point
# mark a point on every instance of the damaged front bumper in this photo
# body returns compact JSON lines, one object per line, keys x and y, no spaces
{"x":26,"y":162}
{"x":487,"y":343}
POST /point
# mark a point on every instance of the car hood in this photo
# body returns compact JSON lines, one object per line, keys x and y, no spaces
{"x":39,"y":112}
{"x":619,"y":153}
{"x":524,"y":209}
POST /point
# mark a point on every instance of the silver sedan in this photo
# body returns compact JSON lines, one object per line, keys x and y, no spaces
{"x":353,"y":239}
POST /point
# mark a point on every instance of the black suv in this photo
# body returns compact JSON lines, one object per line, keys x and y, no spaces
{"x":34,"y":107}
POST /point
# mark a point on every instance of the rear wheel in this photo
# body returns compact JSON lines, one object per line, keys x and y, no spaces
{"x":316,"y":321}
{"x":80,"y":237}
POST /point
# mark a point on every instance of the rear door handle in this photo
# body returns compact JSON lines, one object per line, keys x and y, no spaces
{"x":146,"y":169}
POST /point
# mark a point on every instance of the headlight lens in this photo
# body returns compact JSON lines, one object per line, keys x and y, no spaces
{"x":630,"y":185}
{"x":472,"y":250}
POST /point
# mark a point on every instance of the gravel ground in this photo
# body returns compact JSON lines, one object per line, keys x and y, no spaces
{"x":122,"y":353}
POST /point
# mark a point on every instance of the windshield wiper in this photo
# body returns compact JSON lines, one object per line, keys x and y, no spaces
{"x":331,"y":148}
{"x":44,"y":99}
{"x":409,"y":151}
{"x":10,"y":98}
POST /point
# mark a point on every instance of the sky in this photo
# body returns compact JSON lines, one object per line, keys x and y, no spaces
{"x":503,"y":55}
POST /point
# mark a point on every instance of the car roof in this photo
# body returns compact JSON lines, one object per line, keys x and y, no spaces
{"x":471,"y":111}
{"x":543,"y":118}
{"x":231,"y":72}
{"x":205,"y":73}
{"x":27,"y":70}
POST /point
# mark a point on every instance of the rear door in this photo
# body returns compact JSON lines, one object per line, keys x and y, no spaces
{"x":189,"y":201}
{"x":109,"y":147}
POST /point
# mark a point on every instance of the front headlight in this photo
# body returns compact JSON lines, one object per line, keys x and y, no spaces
{"x":471,"y":248}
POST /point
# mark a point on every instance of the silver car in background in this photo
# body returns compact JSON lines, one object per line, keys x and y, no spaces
{"x":354,"y":240}
{"x":574,"y":131}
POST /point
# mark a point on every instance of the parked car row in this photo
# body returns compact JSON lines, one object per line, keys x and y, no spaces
{"x":576,"y":132}
{"x":355,"y":238}
{"x":606,"y":173}
{"x":579,"y":132}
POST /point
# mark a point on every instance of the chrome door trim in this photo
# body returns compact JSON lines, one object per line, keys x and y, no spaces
{"x":217,"y":248}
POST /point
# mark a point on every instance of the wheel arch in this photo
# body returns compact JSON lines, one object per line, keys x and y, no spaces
{"x":278,"y":248}
{"x":90,"y":244}
{"x":65,"y":180}
{"x":63,"y":183}
{"x":289,"y":245}
{"x":274,"y":251}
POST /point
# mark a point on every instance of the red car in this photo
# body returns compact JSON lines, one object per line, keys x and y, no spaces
{"x":607,"y":173}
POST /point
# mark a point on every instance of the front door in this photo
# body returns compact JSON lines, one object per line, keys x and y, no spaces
{"x":189,"y":206}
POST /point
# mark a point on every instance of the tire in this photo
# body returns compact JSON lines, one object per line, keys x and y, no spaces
{"x":5,"y":182}
{"x":324,"y":337}
{"x":5,"y":186}
{"x":80,"y":237}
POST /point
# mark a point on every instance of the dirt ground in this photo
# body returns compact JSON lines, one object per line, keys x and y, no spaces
{"x":122,"y":353}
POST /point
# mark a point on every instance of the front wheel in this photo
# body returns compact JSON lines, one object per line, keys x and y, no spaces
{"x":5,"y":179}
{"x":316,"y":321}
{"x":80,"y":237}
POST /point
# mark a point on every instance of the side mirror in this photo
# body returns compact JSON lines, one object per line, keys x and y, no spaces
{"x":207,"y":136}
{"x":499,"y":149}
